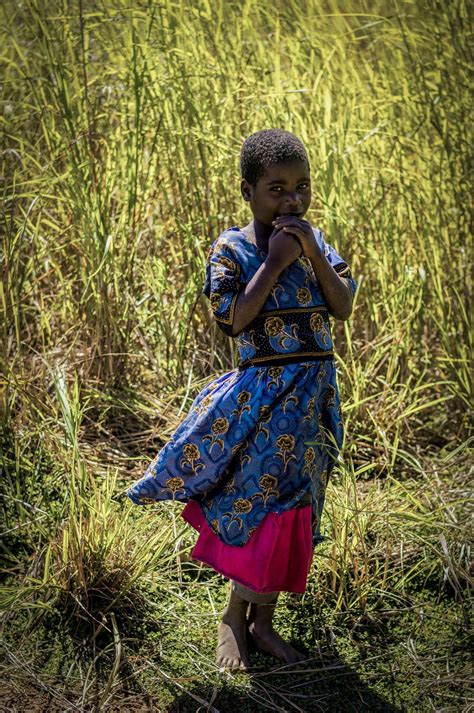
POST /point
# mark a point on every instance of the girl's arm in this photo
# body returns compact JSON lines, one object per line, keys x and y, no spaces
{"x":283,"y":249}
{"x":337,"y":293}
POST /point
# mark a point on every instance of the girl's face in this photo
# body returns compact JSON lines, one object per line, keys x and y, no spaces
{"x":284,"y":189}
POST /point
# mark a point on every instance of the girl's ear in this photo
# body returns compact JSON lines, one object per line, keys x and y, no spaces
{"x":245,"y":189}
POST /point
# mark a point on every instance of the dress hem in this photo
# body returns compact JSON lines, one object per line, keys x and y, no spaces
{"x":290,"y":530}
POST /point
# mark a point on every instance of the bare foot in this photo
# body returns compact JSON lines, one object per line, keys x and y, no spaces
{"x":231,"y":644}
{"x":266,"y":639}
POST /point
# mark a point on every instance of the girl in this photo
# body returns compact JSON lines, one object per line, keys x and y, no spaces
{"x":253,"y":456}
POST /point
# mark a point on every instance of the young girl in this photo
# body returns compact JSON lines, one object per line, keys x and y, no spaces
{"x":253,"y":456}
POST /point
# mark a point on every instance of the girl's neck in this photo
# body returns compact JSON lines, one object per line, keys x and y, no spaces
{"x":259,"y":233}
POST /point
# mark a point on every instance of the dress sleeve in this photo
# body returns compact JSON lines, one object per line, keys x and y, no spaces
{"x":223,"y":282}
{"x":334,"y":259}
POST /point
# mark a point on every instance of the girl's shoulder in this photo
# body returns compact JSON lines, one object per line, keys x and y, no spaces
{"x":234,"y":236}
{"x":232,"y":243}
{"x":227,"y":258}
{"x":329,"y":251}
{"x":336,"y":260}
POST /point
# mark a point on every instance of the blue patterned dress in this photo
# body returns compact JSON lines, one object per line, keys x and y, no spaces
{"x":263,"y":437}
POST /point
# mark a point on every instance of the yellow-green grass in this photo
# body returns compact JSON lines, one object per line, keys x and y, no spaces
{"x":121,"y":129}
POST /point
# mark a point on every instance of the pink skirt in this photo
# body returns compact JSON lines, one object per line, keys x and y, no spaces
{"x":277,"y":558}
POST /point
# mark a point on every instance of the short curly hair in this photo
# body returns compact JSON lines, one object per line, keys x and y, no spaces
{"x":267,"y":147}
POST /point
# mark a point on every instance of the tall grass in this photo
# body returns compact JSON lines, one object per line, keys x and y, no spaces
{"x":122,"y":140}
{"x":121,"y":131}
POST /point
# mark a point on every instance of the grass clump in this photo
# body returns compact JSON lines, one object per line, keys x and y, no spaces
{"x":121,"y":129}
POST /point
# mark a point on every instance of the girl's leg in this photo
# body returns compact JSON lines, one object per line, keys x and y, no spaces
{"x":232,"y":634}
{"x":265,"y":637}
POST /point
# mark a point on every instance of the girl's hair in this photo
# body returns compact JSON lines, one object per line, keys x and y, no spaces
{"x":266,"y":147}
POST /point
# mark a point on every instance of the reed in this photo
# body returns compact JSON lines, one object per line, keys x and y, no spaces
{"x":121,"y":130}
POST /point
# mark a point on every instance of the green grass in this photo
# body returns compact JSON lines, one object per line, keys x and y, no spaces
{"x":121,"y":127}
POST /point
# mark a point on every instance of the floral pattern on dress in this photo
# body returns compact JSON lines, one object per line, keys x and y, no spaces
{"x":259,"y":438}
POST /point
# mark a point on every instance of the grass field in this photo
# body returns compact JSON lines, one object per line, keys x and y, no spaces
{"x":122,"y":123}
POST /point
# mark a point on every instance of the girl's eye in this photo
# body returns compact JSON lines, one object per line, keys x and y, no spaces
{"x":301,"y":187}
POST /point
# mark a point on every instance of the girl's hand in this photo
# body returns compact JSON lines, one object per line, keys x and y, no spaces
{"x":302,"y":230}
{"x":283,"y":248}
{"x":336,"y":292}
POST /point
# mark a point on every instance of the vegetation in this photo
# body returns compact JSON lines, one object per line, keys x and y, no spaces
{"x":121,"y":129}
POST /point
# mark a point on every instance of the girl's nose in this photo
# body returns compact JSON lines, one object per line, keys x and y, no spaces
{"x":293,"y":203}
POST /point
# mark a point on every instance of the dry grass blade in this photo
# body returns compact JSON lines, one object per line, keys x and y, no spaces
{"x":121,"y":130}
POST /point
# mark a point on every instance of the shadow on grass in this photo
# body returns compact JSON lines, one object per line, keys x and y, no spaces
{"x":323,"y":683}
